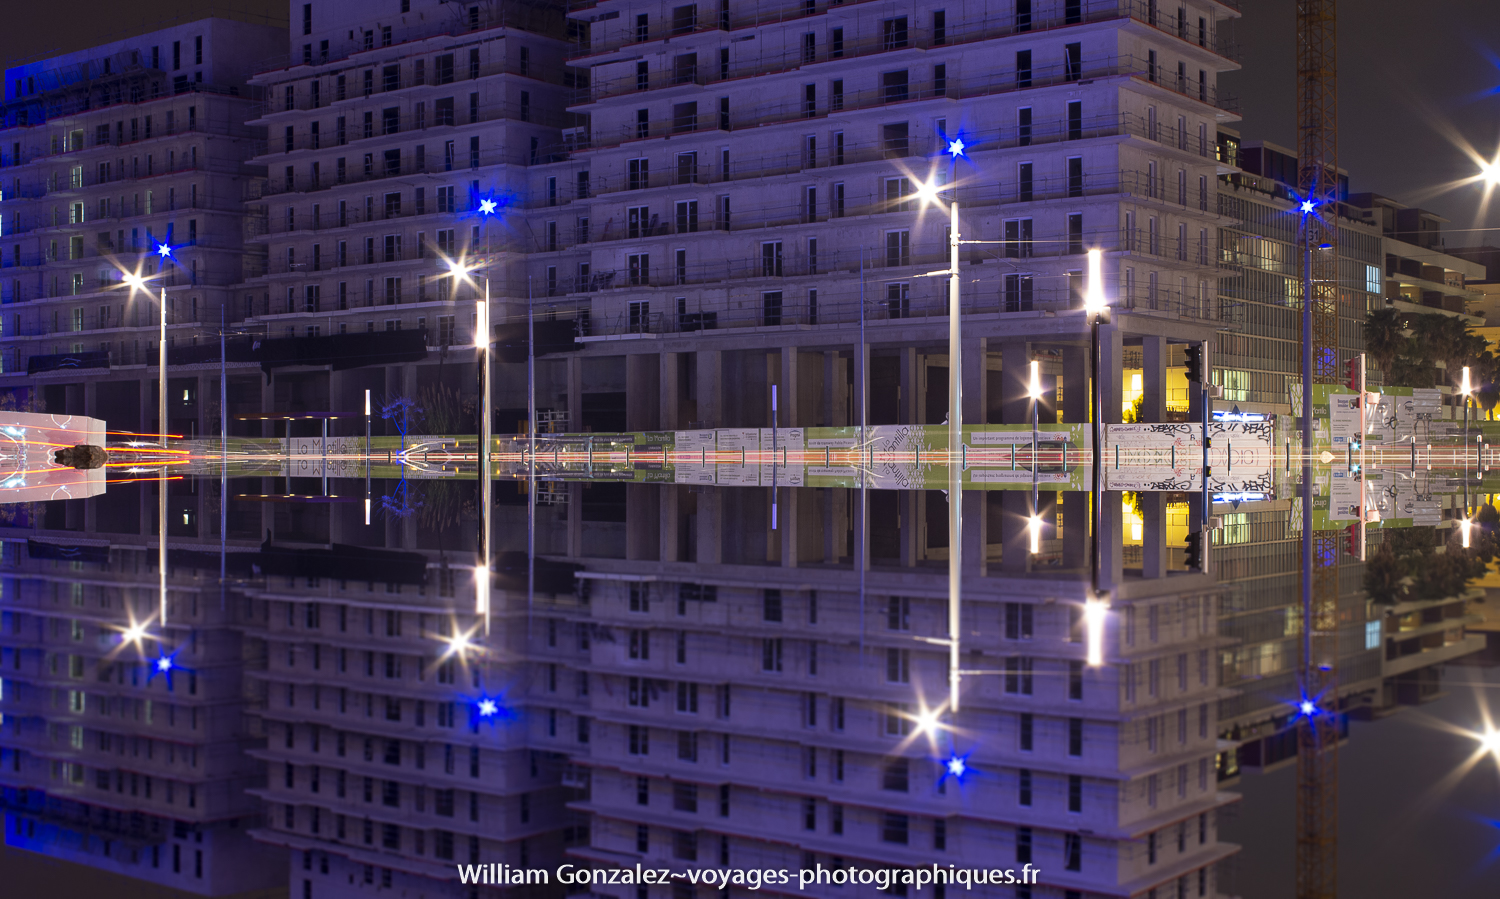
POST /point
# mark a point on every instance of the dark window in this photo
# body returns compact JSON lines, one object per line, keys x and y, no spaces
{"x":1023,"y":68}
{"x":1023,"y":126}
{"x":1023,"y":15}
{"x":1075,"y":120}
{"x":897,"y":775}
{"x":1075,"y":176}
{"x":1073,"y":61}
{"x":1075,"y":736}
{"x":939,"y":27}
{"x":893,"y":86}
{"x":894,"y":140}
{"x":893,"y":33}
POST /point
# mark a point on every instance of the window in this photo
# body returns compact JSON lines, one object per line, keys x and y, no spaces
{"x":771,"y":654}
{"x":898,"y":666}
{"x":1018,"y":293}
{"x":1075,"y":120}
{"x":1018,"y":239}
{"x":638,"y":266}
{"x":1023,"y":68}
{"x":893,"y":33}
{"x":1023,"y":126}
{"x":1023,"y":796}
{"x":1027,"y":732}
{"x":1023,"y":845}
{"x":1072,"y":851}
{"x":770,"y":259}
{"x":1075,"y":232}
{"x":899,"y":196}
{"x":1023,"y":15}
{"x":836,"y":43}
{"x":1075,"y":793}
{"x":1075,"y":176}
{"x":638,"y":174}
{"x":898,"y":613}
{"x":771,"y":309}
{"x":1072,"y":61}
{"x":1018,"y":675}
{"x":898,"y":248}
{"x":897,"y":300}
{"x":896,"y":775}
{"x":1075,"y":736}
{"x":893,"y":86}
{"x":894,"y":140}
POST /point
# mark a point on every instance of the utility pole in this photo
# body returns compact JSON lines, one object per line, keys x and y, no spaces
{"x":1318,"y":705}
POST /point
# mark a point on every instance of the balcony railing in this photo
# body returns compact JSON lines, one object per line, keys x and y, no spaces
{"x":604,"y":39}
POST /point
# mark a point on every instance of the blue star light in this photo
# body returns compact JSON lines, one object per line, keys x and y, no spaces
{"x":956,"y":766}
{"x":488,"y":708}
{"x":164,"y":664}
{"x":163,"y":250}
{"x":956,"y":147}
{"x":1307,"y":707}
{"x":487,"y":207}
{"x":1308,"y":206}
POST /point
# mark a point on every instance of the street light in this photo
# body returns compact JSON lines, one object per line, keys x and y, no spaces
{"x":1096,"y":310}
{"x":928,"y":194}
{"x":459,"y":272}
{"x":136,"y":282}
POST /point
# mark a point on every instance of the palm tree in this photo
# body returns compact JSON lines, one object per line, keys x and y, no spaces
{"x":1385,"y":338}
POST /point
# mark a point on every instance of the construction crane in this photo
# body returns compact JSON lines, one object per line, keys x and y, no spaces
{"x":1317,"y":718}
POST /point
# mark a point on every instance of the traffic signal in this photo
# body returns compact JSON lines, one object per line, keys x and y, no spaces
{"x":1194,"y":360}
{"x":1356,"y":367}
{"x":1194,"y":555}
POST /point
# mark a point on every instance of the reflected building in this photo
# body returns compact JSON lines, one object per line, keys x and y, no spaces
{"x":126,"y":744}
{"x":108,"y":154}
{"x":1390,"y":258}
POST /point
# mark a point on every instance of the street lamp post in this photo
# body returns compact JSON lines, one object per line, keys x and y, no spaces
{"x":136,"y":282}
{"x":929,"y":194}
{"x":1096,"y":309}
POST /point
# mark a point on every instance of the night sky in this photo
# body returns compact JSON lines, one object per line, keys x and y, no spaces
{"x":1416,"y":79}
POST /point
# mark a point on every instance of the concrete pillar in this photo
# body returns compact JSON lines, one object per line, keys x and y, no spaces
{"x":710,"y":534}
{"x":1111,"y":370}
{"x":575,"y":520}
{"x":1076,"y":396}
{"x":1076,"y":524}
{"x":710,"y":365}
{"x":668,"y":392}
{"x":667,"y":513}
{"x":908,"y":404}
{"x":1111,"y":542}
{"x":1195,"y":523}
{"x":859,"y":501}
{"x":1015,"y":381}
{"x":975,"y":536}
{"x":642,"y":510}
{"x":1195,"y":391}
{"x":788,"y":389}
{"x":835,"y":390}
{"x":1015,"y":538}
{"x":787,"y":521}
{"x":975,"y":386}
{"x":574,"y":377}
{"x":859,"y":402}
{"x":1153,"y":378}
{"x":909,"y":504}
{"x":1153,"y":534}
{"x":642,"y":393}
